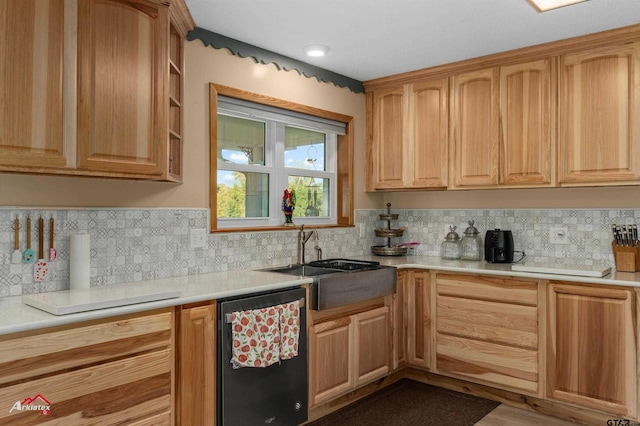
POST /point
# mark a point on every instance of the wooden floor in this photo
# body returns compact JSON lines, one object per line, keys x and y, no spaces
{"x":505,"y":415}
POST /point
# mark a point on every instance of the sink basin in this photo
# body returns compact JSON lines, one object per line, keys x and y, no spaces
{"x":304,"y":270}
{"x":334,"y":287}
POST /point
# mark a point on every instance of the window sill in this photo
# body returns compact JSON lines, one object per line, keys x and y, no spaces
{"x":277,"y":228}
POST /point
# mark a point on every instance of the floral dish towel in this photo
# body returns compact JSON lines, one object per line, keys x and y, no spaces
{"x":262,"y":337}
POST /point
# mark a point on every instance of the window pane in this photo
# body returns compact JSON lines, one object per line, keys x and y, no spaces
{"x":240,"y":141}
{"x":242,"y":194}
{"x":312,"y":196}
{"x":304,"y":149}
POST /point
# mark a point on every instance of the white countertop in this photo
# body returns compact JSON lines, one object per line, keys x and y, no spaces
{"x":15,"y":316}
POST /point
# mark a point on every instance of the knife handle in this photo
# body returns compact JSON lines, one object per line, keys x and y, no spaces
{"x":41,"y":238}
{"x":16,"y":236}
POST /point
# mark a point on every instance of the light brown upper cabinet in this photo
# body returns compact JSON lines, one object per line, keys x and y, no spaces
{"x":526,"y":123}
{"x":408,"y":140}
{"x":501,"y":126}
{"x":599,"y":137}
{"x":31,"y":122}
{"x":474,"y":128}
{"x":121,"y":75}
{"x":555,"y":114}
{"x":385,"y":161}
{"x":119,"y":64}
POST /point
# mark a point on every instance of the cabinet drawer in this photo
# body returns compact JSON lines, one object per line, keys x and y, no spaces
{"x":117,"y":392}
{"x":63,"y":348}
{"x":490,"y":362}
{"x":513,"y":325}
{"x":492,"y":288}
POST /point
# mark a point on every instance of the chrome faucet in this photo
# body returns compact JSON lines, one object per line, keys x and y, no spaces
{"x":303,"y":237}
{"x":317,"y":247}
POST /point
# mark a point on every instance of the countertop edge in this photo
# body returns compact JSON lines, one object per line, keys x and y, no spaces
{"x":41,"y":319}
{"x":16,"y":317}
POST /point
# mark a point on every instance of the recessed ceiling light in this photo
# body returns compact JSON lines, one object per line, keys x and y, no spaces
{"x":544,"y":5}
{"x":315,"y":50}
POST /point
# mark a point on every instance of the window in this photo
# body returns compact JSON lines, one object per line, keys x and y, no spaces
{"x":261,"y":146}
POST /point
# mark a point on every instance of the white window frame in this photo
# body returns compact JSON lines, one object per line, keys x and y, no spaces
{"x":276,"y":120}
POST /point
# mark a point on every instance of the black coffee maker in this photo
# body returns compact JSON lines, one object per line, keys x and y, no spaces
{"x":498,"y":246}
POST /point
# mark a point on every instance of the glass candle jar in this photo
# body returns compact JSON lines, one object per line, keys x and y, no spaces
{"x":471,"y":244}
{"x":450,"y":247}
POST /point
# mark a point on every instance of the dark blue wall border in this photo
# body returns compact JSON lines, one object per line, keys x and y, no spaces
{"x":245,"y":50}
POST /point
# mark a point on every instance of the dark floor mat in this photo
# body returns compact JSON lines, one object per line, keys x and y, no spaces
{"x":408,"y":402}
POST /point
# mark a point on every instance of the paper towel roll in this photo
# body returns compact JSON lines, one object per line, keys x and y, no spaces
{"x":79,"y":261}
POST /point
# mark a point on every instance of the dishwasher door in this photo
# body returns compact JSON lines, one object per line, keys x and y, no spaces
{"x":275,"y":395}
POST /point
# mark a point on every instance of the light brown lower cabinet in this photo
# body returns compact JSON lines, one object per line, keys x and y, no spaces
{"x":418,"y":319}
{"x":197,"y":365}
{"x":399,"y":320}
{"x":412,"y":320}
{"x":348,"y":352}
{"x":118,"y":370}
{"x":592,"y":347}
{"x":487,"y":330}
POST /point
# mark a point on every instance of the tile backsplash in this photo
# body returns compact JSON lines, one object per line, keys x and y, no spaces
{"x":136,"y":244}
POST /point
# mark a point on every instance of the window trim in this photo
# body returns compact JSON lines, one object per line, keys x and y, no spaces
{"x":344,"y":152}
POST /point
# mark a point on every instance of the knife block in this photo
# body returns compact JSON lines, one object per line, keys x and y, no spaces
{"x":627,"y":258}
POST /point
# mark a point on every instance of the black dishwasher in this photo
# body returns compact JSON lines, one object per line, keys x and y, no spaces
{"x":274,"y":395}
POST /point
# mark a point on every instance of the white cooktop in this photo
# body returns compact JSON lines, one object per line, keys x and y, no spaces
{"x":74,"y":301}
{"x":579,"y":270}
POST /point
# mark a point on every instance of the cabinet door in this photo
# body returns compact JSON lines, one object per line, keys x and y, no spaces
{"x":197,"y":363}
{"x":372,"y":345}
{"x":419,"y":319}
{"x":388,"y":138}
{"x":599,"y":137}
{"x":122,"y":74}
{"x":31,"y":121}
{"x":592,"y":347}
{"x":399,"y":318}
{"x":526,"y":124}
{"x":330,"y":360}
{"x":428,"y":149}
{"x":474,"y":128}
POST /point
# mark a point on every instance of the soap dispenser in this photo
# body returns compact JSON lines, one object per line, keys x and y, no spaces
{"x":450,"y":247}
{"x":471,"y":246}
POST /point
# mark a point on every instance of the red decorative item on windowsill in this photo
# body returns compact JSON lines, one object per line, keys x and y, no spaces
{"x":288,"y":205}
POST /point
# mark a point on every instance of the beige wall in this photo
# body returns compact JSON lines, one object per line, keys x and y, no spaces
{"x":202,"y":66}
{"x":205,"y":65}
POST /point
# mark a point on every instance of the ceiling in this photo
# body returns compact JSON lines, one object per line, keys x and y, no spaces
{"x":369,"y":39}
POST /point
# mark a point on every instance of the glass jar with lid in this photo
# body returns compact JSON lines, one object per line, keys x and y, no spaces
{"x":471,"y":246}
{"x":450,"y":247}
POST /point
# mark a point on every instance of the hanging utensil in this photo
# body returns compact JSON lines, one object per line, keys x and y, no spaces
{"x":28,"y":255}
{"x":16,"y":256}
{"x":41,"y":269}
{"x":52,"y":251}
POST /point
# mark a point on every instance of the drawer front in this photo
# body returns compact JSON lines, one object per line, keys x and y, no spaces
{"x":490,"y":288}
{"x":516,"y":368}
{"x":513,"y":325}
{"x":118,"y":392}
{"x":63,"y":348}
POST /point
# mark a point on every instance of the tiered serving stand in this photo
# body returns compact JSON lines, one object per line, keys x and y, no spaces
{"x":388,"y":233}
